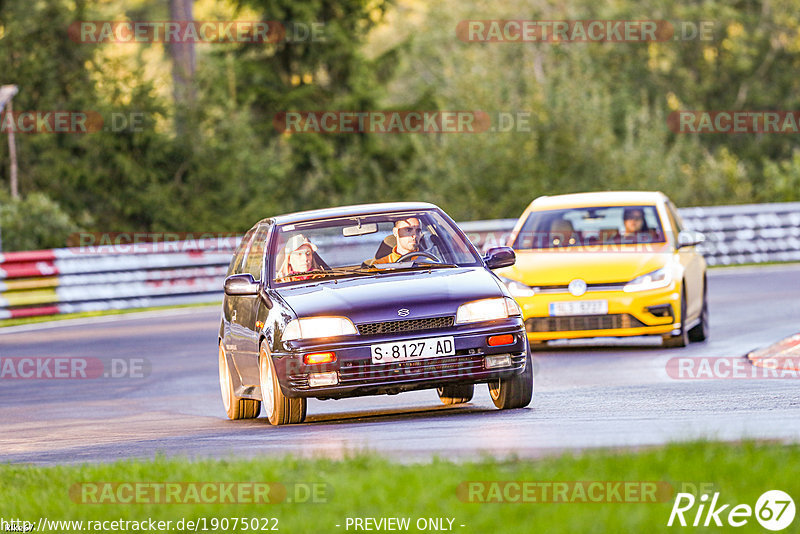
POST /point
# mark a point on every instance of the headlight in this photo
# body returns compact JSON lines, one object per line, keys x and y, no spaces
{"x":518,"y":289}
{"x":487,"y":310}
{"x":313,"y":327}
{"x":660,"y":278}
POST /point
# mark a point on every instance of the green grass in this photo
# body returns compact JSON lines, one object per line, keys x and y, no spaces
{"x":369,"y":486}
{"x":99,"y":313}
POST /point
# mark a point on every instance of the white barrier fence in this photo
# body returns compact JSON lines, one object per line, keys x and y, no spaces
{"x":48,"y":282}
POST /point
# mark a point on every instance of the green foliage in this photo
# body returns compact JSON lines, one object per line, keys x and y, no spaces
{"x":33,"y":222}
{"x":597,"y":112}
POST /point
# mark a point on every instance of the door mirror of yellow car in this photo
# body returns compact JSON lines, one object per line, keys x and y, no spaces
{"x":497,"y":257}
{"x":688,"y":238}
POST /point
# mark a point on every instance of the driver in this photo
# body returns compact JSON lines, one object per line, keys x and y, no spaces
{"x":633,"y":219}
{"x":636,"y":229}
{"x":407,"y":232}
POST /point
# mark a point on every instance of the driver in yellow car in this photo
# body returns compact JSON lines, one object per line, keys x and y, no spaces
{"x":407,"y":232}
{"x":633,"y":219}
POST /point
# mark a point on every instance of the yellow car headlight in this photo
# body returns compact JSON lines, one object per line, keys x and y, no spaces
{"x":653,"y":280}
{"x":487,"y":310}
{"x":518,"y":289}
{"x":314,"y":327}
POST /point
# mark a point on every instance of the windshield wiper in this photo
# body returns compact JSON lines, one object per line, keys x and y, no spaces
{"x":296,"y":276}
{"x":412,"y":266}
{"x":352,"y":270}
{"x":428,"y":264}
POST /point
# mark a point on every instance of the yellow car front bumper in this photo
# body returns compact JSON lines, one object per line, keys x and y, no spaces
{"x":655,"y":311}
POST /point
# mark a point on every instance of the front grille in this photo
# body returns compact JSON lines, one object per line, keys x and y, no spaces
{"x":410,"y":325}
{"x":429,"y":368}
{"x":459,"y":366}
{"x":368,"y":374}
{"x":563,"y":288}
{"x":582,"y":322}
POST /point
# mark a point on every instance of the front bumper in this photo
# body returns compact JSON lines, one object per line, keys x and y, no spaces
{"x":640,"y":313}
{"x":358,"y":376}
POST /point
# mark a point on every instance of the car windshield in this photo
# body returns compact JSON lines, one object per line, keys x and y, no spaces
{"x":576,"y":227}
{"x":366,"y":245}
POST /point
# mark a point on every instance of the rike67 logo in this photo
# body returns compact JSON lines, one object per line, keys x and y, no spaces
{"x":774,"y":510}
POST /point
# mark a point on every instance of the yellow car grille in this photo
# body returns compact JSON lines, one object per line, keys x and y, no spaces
{"x":582,"y":322}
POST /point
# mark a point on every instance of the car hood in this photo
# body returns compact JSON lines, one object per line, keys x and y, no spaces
{"x":560,"y":267}
{"x":378,"y":298}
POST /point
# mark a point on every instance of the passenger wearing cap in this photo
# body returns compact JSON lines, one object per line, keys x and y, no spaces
{"x":299,"y":258}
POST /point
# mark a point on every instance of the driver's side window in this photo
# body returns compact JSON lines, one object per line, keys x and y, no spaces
{"x":235,"y":266}
{"x":255,"y":254}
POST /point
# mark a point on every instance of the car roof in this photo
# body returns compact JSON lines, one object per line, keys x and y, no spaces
{"x":349,"y":211}
{"x":598,"y":198}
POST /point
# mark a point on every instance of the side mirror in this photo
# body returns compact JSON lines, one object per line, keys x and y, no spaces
{"x":241,"y":285}
{"x":688,"y":238}
{"x":497,"y":257}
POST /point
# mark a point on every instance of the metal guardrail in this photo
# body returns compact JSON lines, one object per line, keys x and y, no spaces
{"x":68,"y":280}
{"x":48,"y":282}
{"x":749,"y":233}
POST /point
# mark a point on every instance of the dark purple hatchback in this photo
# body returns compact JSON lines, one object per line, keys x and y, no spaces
{"x":366,"y":300}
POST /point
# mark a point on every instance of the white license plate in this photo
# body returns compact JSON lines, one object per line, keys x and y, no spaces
{"x":580,"y":307}
{"x":431,"y":347}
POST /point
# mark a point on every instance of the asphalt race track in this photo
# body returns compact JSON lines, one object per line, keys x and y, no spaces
{"x":587,"y":395}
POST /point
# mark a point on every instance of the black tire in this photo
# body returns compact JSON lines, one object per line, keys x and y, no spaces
{"x":279,"y":409}
{"x":700,"y":331}
{"x":682,"y":339}
{"x":235,"y":407}
{"x":514,"y":392}
{"x":456,"y":394}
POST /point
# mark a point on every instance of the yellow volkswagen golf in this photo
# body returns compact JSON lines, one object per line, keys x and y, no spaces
{"x":608,"y":264}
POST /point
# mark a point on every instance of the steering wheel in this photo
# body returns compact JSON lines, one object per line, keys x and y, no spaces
{"x":418,"y":253}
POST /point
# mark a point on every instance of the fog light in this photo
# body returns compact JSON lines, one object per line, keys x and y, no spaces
{"x":662,"y":310}
{"x":498,"y":360}
{"x":319,"y":357}
{"x":503,"y":339}
{"x":323,"y":379}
